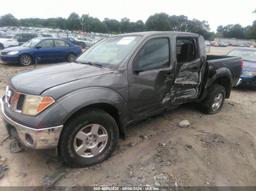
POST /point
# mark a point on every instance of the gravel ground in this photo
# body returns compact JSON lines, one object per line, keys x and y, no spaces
{"x":215,"y":150}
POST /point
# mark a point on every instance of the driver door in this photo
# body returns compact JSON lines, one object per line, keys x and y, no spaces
{"x":150,"y":79}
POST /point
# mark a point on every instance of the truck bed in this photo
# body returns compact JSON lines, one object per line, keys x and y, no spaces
{"x":233,"y":63}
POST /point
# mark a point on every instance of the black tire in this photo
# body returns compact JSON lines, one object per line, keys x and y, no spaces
{"x":25,"y":60}
{"x":1,"y":46}
{"x":71,"y":57}
{"x":66,"y":148}
{"x":207,"y":106}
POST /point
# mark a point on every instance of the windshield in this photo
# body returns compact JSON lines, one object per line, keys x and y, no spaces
{"x":32,"y":43}
{"x":249,"y":55}
{"x":110,"y":52}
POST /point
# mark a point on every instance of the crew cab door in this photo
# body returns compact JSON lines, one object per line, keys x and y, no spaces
{"x":188,"y":70}
{"x":150,"y":78}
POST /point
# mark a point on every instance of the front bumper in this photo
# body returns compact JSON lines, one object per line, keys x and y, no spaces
{"x":248,"y":81}
{"x":43,"y":138}
{"x":10,"y":59}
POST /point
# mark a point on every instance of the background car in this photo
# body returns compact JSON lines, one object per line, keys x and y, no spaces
{"x":248,"y":76}
{"x":24,"y":37}
{"x":223,"y":44}
{"x":77,"y":42}
{"x":7,"y":42}
{"x":43,"y":50}
{"x":207,"y":43}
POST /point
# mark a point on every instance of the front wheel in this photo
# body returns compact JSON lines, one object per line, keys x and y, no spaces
{"x":214,"y":101}
{"x":25,"y":60}
{"x":88,"y":139}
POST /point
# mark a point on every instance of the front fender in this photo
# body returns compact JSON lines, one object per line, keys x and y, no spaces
{"x":82,"y":98}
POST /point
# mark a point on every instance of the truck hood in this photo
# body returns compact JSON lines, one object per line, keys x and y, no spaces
{"x":37,"y":81}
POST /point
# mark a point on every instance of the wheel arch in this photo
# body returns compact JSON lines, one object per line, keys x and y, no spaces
{"x":29,"y":54}
{"x":72,"y":52}
{"x":101,"y":98}
{"x":222,"y":77}
{"x":108,"y":108}
{"x":226,"y":83}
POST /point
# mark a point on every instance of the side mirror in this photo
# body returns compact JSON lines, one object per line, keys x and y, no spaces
{"x":38,"y":47}
{"x":137,"y":69}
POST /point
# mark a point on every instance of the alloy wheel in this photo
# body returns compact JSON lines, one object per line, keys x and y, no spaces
{"x":90,"y":140}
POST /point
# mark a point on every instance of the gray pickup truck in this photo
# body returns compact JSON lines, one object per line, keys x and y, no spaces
{"x":82,"y":108}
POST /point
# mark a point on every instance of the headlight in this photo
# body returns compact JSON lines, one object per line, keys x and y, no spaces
{"x":33,"y":105}
{"x":13,"y":52}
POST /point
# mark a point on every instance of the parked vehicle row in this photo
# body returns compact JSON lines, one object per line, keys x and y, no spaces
{"x":82,"y":108}
{"x":225,"y":44}
{"x":41,"y":50}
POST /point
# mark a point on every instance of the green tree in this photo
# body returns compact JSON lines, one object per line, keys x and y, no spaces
{"x":138,"y":26}
{"x":8,"y":20}
{"x":73,"y":22}
{"x":113,"y":26}
{"x":179,"y":23}
{"x":220,"y":29}
{"x":125,"y":25}
{"x":234,"y":31}
{"x":159,"y":21}
{"x":85,"y":22}
{"x":251,"y":31}
{"x":97,"y":26}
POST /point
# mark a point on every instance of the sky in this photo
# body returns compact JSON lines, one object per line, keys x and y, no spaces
{"x":216,"y":12}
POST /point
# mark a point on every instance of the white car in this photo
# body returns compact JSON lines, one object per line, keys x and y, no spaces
{"x":8,"y":42}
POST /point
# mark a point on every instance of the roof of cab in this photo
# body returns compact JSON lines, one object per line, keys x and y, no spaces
{"x":152,"y":33}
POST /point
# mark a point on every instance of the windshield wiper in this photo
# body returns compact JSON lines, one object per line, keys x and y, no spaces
{"x":90,"y":63}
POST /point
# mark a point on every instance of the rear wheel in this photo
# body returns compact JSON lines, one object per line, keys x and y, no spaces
{"x":71,"y":57}
{"x":88,"y":139}
{"x":213,"y":103}
{"x":25,"y":60}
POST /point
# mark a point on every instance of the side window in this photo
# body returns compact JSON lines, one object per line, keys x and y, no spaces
{"x":46,"y":44}
{"x":186,"y":49}
{"x":153,"y":55}
{"x":61,"y":43}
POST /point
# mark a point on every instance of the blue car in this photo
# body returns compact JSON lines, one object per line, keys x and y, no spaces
{"x":248,"y":76}
{"x":43,"y":50}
